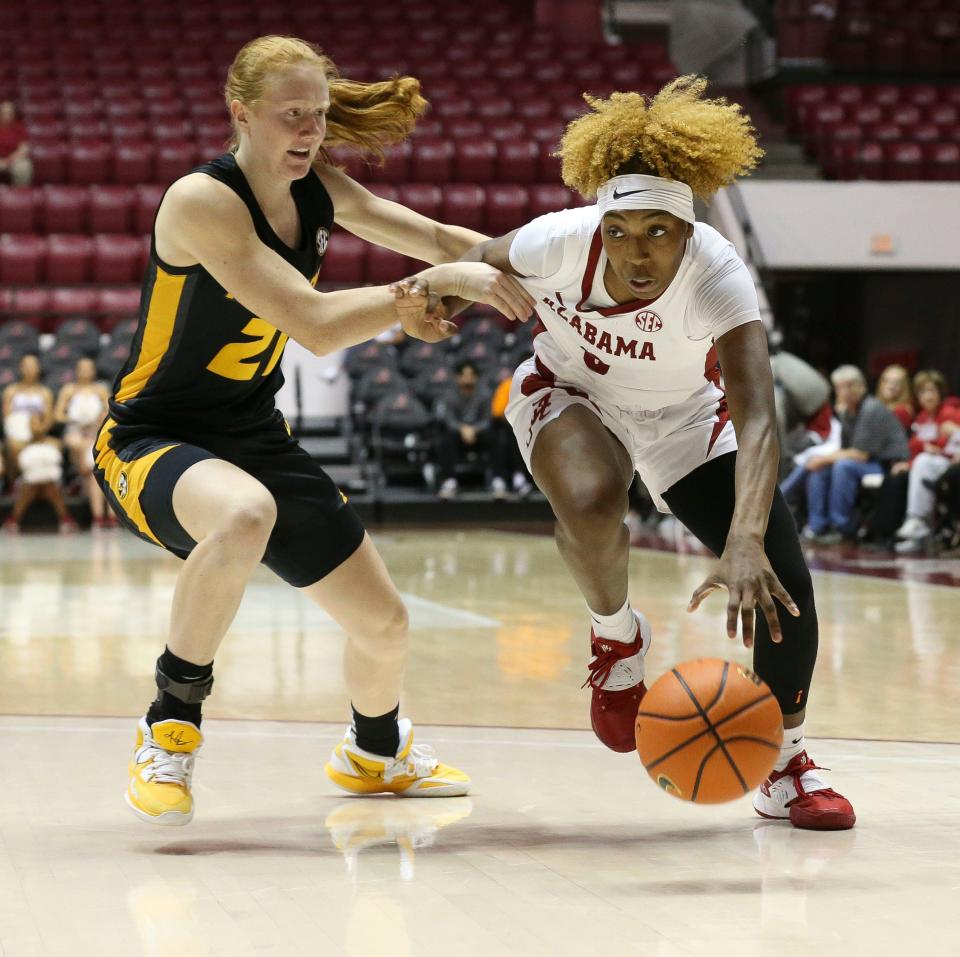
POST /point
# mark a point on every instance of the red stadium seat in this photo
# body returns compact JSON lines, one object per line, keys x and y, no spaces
{"x":32,"y":304}
{"x":73,"y":302}
{"x":889,"y":48}
{"x":133,"y":163}
{"x":942,"y":114}
{"x":425,"y":198}
{"x":396,"y":168}
{"x":169,"y":130}
{"x":147,"y":198}
{"x":506,"y":208}
{"x":110,"y":209}
{"x":904,"y":161}
{"x":905,"y":114}
{"x":17,"y":209}
{"x":495,"y":108}
{"x":172,"y":160}
{"x":49,"y":162}
{"x":46,"y":131}
{"x":68,"y":258}
{"x":64,"y":209}
{"x":432,"y":161}
{"x":547,"y":198}
{"x":385,"y":265}
{"x":518,"y":162}
{"x":924,"y":133}
{"x":867,"y":113}
{"x":464,"y":204}
{"x":466,"y":129}
{"x":942,"y":161}
{"x":117,"y":258}
{"x":88,"y":163}
{"x":883,"y":132}
{"x":549,"y":164}
{"x":501,"y":130}
{"x":346,"y":259}
{"x":833,"y":153}
{"x":476,"y":161}
{"x":116,"y":304}
{"x":128,"y":131}
{"x":22,"y":258}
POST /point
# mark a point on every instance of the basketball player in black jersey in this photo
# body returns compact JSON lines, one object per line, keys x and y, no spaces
{"x":194,"y":455}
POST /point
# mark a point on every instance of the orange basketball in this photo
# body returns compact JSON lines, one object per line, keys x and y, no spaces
{"x":709,"y":731}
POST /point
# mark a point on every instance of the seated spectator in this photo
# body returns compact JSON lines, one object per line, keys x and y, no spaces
{"x":934,"y":445}
{"x":506,"y":460}
{"x":15,"y":162}
{"x":41,"y":467}
{"x":894,"y":391}
{"x":23,"y":399}
{"x":464,"y":419}
{"x":81,"y":407}
{"x":821,"y":437}
{"x":871,"y":438}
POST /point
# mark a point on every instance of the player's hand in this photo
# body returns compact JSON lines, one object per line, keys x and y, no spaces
{"x":819,"y":462}
{"x":421,"y":313}
{"x":481,"y":282}
{"x":898,"y":468}
{"x":744,"y":570}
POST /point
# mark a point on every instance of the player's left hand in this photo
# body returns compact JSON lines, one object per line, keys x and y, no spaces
{"x":422,"y":314}
{"x":744,"y":570}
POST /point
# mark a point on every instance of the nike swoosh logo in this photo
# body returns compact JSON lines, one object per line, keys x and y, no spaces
{"x":797,"y":740}
{"x":629,"y":192}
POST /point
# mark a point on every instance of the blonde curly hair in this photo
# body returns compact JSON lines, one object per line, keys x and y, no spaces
{"x":677,"y":134}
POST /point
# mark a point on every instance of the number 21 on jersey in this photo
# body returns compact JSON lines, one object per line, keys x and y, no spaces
{"x":258,"y":355}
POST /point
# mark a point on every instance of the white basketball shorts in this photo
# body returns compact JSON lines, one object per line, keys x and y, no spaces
{"x":665,"y":444}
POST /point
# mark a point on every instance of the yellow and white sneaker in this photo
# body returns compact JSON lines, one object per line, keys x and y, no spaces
{"x":414,"y":772}
{"x":160,"y":772}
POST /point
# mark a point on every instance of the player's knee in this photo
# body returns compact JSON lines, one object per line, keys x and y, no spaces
{"x":248,"y":521}
{"x":845,"y":466}
{"x":592,"y":505}
{"x":390,"y":628}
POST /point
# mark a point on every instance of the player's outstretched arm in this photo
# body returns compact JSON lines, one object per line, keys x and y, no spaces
{"x":203,"y":221}
{"x":744,"y":569}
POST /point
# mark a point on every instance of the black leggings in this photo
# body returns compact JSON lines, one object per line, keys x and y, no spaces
{"x":704,"y":502}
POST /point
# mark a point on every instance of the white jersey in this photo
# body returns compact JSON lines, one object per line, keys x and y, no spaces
{"x":642,"y":355}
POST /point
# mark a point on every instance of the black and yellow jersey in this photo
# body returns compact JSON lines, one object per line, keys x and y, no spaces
{"x":201,"y":361}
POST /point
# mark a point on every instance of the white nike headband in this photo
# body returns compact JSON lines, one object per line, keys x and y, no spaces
{"x":637,"y":191}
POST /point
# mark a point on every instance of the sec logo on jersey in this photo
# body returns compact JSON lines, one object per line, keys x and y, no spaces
{"x":323,"y":240}
{"x":648,"y":321}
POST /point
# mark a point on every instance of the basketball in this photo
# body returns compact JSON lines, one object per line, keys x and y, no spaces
{"x":709,"y":731}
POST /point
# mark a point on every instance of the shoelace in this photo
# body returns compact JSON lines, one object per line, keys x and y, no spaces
{"x":797,"y":775}
{"x":165,"y":767}
{"x":599,"y":669}
{"x":419,"y":763}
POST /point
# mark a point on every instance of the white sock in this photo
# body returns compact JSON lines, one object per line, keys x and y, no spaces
{"x":793,"y":744}
{"x":620,"y":626}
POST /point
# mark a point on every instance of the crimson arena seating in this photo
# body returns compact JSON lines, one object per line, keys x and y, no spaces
{"x":886,"y":36}
{"x":113,"y":118}
{"x":878,"y":131}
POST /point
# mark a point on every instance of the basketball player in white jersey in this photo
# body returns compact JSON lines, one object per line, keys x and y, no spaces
{"x":640,"y":306}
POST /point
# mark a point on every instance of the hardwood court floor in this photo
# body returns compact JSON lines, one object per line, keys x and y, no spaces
{"x":563,"y":848}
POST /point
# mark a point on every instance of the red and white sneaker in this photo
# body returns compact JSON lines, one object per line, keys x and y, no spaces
{"x":616,"y":677}
{"x":799,"y":794}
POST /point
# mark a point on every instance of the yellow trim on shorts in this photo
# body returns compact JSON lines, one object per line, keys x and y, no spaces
{"x":127,"y":479}
{"x":161,"y":316}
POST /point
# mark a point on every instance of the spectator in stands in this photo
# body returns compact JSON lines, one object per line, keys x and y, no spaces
{"x":15,"y":162}
{"x":464,"y":419}
{"x":895,"y":392}
{"x":934,"y":446}
{"x":41,"y":467}
{"x":81,"y":407}
{"x":505,"y":457}
{"x":22,"y":399}
{"x":871,"y":439}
